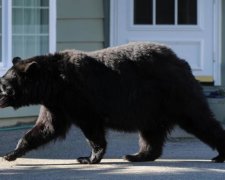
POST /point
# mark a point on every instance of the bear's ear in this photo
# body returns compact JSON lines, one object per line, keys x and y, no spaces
{"x":31,"y":67}
{"x":15,"y":60}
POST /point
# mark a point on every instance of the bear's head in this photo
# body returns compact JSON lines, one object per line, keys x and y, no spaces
{"x":17,"y":82}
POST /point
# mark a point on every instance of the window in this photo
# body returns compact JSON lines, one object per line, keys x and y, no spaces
{"x":165,"y":12}
{"x":187,"y":12}
{"x":143,"y":12}
{"x":30,"y":21}
{"x":27,"y":28}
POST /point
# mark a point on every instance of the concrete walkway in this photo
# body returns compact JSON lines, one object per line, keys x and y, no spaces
{"x":183,"y":158}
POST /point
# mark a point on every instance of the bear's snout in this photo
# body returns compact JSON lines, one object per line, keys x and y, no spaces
{"x":6,"y":91}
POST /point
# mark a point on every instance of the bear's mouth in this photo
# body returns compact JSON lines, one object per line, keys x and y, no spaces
{"x":3,"y":101}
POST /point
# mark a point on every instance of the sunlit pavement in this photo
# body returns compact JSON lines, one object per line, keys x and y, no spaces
{"x":183,"y":158}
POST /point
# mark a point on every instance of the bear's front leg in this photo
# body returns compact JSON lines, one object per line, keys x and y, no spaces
{"x":37,"y":136}
{"x":49,"y":126}
{"x":18,"y":152}
{"x":13,"y":155}
{"x":96,"y":138}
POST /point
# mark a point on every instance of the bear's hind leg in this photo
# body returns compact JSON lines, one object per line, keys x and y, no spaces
{"x":151,"y":145}
{"x":46,"y":129}
{"x":208,"y":130}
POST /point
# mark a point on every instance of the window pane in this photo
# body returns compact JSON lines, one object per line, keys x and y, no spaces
{"x":31,"y":3}
{"x":187,"y":12}
{"x":45,"y":3}
{"x":30,"y":20}
{"x":18,"y":46}
{"x":44,"y":19}
{"x":36,"y":20}
{"x":17,"y":2}
{"x":44,"y":44}
{"x":165,"y":12}
{"x":30,"y":46}
{"x":143,"y":11}
{"x":18,"y":21}
{"x":30,"y":23}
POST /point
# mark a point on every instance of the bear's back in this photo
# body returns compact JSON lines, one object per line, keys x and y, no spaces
{"x":132,"y":51}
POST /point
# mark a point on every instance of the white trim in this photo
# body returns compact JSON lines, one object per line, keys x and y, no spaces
{"x":113,"y":22}
{"x":52,"y":26}
{"x":6,"y":33}
{"x":217,"y":41}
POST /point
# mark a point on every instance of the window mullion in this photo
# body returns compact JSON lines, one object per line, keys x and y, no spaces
{"x":6,"y":33}
{"x":176,"y":12}
{"x":154,"y":13}
{"x":52,"y":26}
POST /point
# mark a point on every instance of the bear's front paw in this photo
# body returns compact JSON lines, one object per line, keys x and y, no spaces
{"x":12,"y":156}
{"x":88,"y":160}
{"x":84,"y":160}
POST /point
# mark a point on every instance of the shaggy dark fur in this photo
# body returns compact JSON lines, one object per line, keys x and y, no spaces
{"x":136,"y":87}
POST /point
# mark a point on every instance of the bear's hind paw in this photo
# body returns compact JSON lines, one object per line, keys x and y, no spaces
{"x":218,"y":159}
{"x":141,"y":157}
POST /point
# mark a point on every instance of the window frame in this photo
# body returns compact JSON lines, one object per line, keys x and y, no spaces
{"x":7,"y":32}
{"x":161,"y":27}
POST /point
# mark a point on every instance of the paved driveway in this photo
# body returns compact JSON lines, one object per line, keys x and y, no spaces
{"x":184,"y":158}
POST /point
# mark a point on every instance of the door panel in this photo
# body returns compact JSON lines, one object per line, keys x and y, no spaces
{"x":187,"y":26}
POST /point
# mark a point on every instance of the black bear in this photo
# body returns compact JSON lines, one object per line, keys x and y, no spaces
{"x":140,"y":87}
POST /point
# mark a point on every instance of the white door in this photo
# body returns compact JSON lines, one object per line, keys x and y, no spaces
{"x":189,"y":27}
